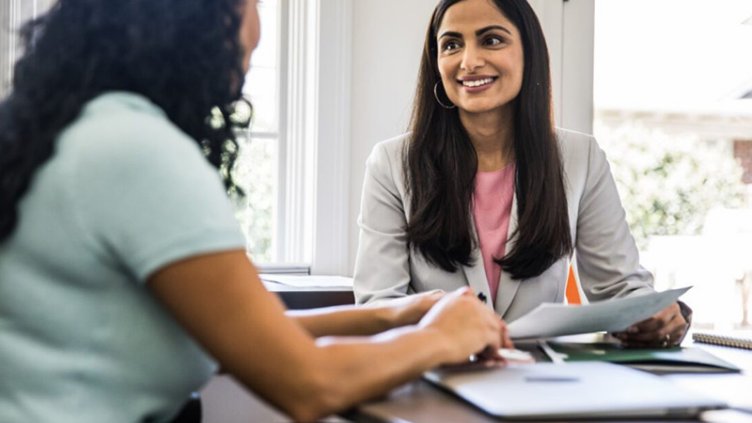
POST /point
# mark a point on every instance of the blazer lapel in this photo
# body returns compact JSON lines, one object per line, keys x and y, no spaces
{"x":475,"y":274}
{"x":507,"y":286}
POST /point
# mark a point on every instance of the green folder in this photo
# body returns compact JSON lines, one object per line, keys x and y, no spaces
{"x":654,"y":360}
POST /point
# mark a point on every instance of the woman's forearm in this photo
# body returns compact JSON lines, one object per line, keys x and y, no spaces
{"x":366,"y":320}
{"x":345,"y":320}
{"x":348,"y":370}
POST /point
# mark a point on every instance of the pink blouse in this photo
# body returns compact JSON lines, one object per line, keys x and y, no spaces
{"x":492,"y":205}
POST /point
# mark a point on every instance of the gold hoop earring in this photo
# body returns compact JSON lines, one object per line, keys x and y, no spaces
{"x":438,"y":100}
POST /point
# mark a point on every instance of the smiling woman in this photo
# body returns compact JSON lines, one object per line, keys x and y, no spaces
{"x":484,"y":191}
{"x":470,"y":42}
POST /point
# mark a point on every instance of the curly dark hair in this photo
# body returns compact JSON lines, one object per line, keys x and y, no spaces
{"x":184,"y":55}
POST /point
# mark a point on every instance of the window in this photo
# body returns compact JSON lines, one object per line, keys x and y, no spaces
{"x":672,"y":111}
{"x":296,"y":162}
{"x":258,"y":165}
{"x":13,"y":14}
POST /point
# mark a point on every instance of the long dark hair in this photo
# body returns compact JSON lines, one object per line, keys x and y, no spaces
{"x":184,"y":55}
{"x":441,"y":163}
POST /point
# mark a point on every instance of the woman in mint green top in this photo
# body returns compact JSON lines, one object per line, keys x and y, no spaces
{"x":123,"y":277}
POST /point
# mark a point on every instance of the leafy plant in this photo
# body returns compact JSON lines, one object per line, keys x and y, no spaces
{"x":669,"y":182}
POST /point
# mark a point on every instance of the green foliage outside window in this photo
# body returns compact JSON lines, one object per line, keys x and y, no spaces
{"x":255,"y":171}
{"x":668,"y":183}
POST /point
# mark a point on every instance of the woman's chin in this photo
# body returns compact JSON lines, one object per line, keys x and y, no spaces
{"x":475,"y":109}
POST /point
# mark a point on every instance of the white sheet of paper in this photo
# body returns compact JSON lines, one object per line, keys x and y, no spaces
{"x":550,"y":319}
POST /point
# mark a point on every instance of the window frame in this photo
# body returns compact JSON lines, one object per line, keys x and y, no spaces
{"x":315,"y":128}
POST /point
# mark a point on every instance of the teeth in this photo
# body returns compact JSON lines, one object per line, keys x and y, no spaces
{"x":477,"y":83}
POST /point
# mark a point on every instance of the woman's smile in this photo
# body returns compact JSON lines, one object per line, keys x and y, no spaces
{"x":475,"y":84}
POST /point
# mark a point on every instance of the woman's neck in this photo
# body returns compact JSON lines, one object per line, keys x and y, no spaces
{"x":492,"y":135}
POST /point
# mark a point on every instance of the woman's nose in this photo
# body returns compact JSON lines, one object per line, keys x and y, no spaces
{"x":472,"y":58}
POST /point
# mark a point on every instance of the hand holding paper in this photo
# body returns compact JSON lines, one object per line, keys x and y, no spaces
{"x":549,"y":319}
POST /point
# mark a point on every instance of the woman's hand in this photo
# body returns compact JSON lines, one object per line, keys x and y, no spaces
{"x":467,"y":325}
{"x":665,"y":329}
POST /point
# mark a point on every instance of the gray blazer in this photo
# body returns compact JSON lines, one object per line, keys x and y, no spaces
{"x":606,"y":256}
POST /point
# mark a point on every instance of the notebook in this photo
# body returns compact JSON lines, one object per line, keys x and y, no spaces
{"x":736,"y":339}
{"x":583,"y":390}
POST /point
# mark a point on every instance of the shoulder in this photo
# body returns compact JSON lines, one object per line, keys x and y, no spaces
{"x":390,"y":151}
{"x":574,"y":143}
{"x":384,"y":167}
{"x":120,"y":124}
{"x":121,"y":132}
{"x":120,"y":110}
{"x":387,"y":157}
{"x":122,"y":140}
{"x":140,"y":188}
{"x":579,"y":151}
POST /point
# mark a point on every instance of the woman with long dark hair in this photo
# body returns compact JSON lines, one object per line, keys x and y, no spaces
{"x":485,"y":192}
{"x":124,"y":282}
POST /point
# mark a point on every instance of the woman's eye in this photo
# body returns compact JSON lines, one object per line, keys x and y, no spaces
{"x":450,"y":45}
{"x":493,"y":41}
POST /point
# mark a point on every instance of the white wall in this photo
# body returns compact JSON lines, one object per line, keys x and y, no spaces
{"x":568,"y":27}
{"x":386,"y":49}
{"x":576,"y":97}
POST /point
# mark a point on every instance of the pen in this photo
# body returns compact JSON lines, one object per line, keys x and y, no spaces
{"x":552,"y":355}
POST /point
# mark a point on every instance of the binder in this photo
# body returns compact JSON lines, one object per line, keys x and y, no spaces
{"x":735,"y":339}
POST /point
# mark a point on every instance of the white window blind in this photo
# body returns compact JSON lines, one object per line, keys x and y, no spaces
{"x":13,"y":14}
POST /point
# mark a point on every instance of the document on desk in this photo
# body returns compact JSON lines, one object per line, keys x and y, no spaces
{"x":550,"y":319}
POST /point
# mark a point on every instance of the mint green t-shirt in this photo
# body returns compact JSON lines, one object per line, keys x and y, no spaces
{"x":81,"y":338}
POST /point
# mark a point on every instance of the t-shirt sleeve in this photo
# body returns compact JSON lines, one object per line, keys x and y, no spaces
{"x":146,"y":195}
